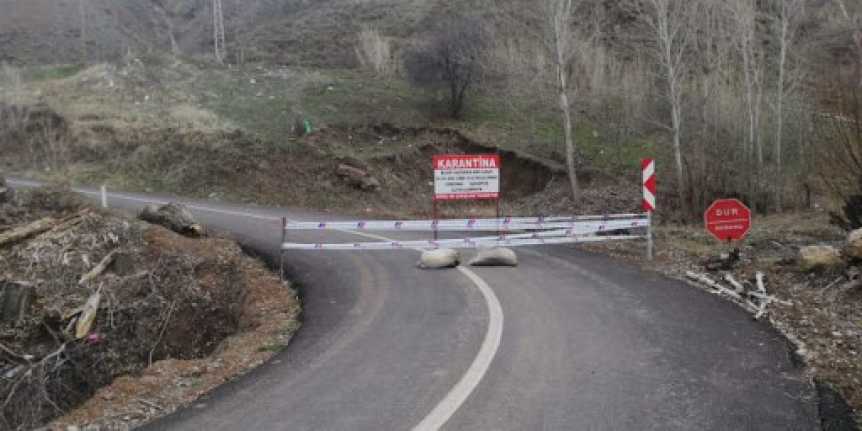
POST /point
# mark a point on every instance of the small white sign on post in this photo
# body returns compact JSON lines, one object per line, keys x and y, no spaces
{"x":466,"y":177}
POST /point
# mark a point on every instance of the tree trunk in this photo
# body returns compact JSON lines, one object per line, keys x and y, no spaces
{"x":561,"y":38}
{"x":779,"y":127}
{"x":82,"y":10}
{"x":677,"y":155}
{"x":24,"y":232}
{"x":676,"y":125}
{"x":570,"y":146}
{"x":749,"y":100}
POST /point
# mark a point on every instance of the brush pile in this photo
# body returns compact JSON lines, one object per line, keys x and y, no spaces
{"x":87,"y":296}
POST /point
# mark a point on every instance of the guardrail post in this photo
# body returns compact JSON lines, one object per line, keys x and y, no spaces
{"x":650,"y":244}
{"x":104,"y":190}
{"x":281,"y":247}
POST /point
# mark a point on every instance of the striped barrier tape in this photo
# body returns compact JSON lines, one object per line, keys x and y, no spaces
{"x":600,"y":223}
{"x":465,"y":243}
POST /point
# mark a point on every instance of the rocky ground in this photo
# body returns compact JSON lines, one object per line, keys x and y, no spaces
{"x":814,"y":296}
{"x":112,"y":321}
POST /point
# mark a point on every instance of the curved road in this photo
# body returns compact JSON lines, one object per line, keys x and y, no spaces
{"x":586,"y":343}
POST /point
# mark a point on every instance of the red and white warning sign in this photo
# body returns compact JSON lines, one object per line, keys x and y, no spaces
{"x":458,"y":177}
{"x":648,"y":168}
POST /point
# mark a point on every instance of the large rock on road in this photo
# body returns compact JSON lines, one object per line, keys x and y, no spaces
{"x":173,"y":216}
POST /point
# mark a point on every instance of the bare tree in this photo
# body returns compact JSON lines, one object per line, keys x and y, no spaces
{"x":560,"y":40}
{"x":453,"y":56}
{"x":668,"y":26}
{"x":82,"y":14}
{"x":218,"y":30}
{"x":853,"y":18}
{"x":160,"y":11}
{"x":790,"y":13}
{"x":744,"y":14}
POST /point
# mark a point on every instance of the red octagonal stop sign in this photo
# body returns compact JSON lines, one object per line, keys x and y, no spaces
{"x":728,"y":219}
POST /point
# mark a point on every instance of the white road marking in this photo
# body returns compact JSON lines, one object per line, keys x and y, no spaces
{"x":459,"y":393}
{"x":471,"y":379}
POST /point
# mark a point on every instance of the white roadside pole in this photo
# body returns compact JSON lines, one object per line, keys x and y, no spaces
{"x":649,"y":190}
{"x":104,"y":190}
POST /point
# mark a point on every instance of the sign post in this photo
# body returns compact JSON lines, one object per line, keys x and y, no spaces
{"x":466,"y":177}
{"x":728,"y":220}
{"x":281,"y":250}
{"x":649,"y":191}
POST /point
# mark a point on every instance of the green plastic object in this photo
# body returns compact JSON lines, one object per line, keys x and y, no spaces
{"x":308,"y":128}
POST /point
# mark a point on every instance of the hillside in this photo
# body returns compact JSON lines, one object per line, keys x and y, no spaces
{"x":286,"y":32}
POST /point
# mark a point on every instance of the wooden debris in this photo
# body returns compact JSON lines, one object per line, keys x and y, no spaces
{"x":88,"y":315}
{"x":760,"y":285}
{"x":702,"y":278}
{"x":705,"y":280}
{"x":763,"y":301}
{"x":27,"y":231}
{"x":98,"y":269}
{"x":737,"y":286}
{"x":774,"y":299}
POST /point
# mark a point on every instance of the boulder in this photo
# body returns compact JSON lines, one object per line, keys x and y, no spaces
{"x":853,"y":249}
{"x":438,"y":259}
{"x":173,"y":216}
{"x":357,"y":178}
{"x":819,"y":257}
{"x":497,"y":256}
{"x":15,"y":300}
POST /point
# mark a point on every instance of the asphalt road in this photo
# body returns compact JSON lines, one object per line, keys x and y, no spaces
{"x":579,"y":342}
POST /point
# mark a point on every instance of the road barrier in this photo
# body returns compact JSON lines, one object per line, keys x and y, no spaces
{"x":503,"y":224}
{"x":511,"y":232}
{"x":459,"y":243}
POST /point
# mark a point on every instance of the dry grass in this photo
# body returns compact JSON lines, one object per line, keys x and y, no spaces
{"x":376,"y":53}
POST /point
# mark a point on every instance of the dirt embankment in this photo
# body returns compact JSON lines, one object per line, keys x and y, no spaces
{"x":306,"y":173}
{"x":141,"y":317}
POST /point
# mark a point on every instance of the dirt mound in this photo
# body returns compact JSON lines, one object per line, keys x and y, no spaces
{"x":395,"y":164}
{"x":153,"y":300}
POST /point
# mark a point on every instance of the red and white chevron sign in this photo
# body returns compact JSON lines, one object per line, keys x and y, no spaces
{"x":648,"y":167}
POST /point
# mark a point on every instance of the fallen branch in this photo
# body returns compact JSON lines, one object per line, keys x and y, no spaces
{"x":760,"y":285}
{"x":737,"y":286}
{"x":769,"y":298}
{"x":149,"y":403}
{"x":709,"y":282}
{"x":703,"y":279}
{"x":25,"y":232}
{"x":19,"y":356}
{"x":162,"y":333}
{"x":88,"y":315}
{"x":98,"y":269}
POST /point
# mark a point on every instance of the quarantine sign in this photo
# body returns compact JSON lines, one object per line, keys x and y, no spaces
{"x":466,"y":177}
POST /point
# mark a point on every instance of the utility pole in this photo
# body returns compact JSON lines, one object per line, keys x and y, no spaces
{"x":218,"y":31}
